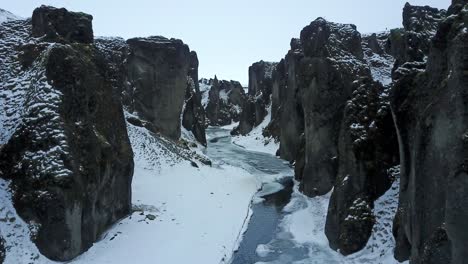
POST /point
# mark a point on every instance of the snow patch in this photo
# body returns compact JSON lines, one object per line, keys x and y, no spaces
{"x":255,"y":141}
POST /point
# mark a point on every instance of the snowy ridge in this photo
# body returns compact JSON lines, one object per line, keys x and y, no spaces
{"x":380,"y":65}
{"x":7,"y":16}
{"x":12,"y":78}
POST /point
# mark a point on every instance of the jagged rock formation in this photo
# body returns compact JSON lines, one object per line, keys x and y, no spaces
{"x":331,"y":99}
{"x":194,"y":114}
{"x":430,"y":107}
{"x":64,"y":140}
{"x":225,"y":99}
{"x":259,"y":93}
{"x":333,"y":122}
{"x":331,"y":114}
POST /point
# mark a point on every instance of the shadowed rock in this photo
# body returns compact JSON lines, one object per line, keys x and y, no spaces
{"x":71,"y":162}
{"x":61,"y":25}
{"x":194,"y":115}
{"x":255,"y":107}
{"x":225,"y":99}
{"x":157,"y":74}
{"x":430,"y":107}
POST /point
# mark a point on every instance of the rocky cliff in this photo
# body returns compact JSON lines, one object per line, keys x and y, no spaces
{"x":64,"y":141}
{"x":259,"y":93}
{"x":430,"y":108}
{"x":193,"y":118}
{"x":64,"y":146}
{"x":332,"y":100}
{"x":223,"y":102}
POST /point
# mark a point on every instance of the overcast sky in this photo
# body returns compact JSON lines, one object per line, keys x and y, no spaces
{"x":227,"y":35}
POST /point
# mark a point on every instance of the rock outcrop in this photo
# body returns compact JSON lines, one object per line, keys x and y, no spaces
{"x":330,"y":111}
{"x":61,"y":25}
{"x":255,"y":106}
{"x":66,"y":148}
{"x":224,"y":101}
{"x":157,"y":97}
{"x":193,"y":118}
{"x":431,"y":108}
{"x":332,"y":100}
{"x":158,"y":70}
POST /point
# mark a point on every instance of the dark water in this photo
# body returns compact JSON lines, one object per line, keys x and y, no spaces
{"x":264,"y":223}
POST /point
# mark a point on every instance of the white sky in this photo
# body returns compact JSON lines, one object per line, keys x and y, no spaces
{"x":227,"y":35}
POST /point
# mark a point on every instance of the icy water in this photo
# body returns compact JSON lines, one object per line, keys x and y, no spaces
{"x":267,"y":205}
{"x":288,"y":227}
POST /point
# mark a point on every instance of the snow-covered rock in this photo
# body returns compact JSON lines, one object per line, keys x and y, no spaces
{"x":8,"y":16}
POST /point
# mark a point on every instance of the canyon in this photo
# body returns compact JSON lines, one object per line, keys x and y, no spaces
{"x":100,"y":135}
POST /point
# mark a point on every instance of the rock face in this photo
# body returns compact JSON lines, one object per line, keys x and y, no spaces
{"x":260,"y":88}
{"x":194,"y":114}
{"x":278,"y":95}
{"x":332,"y":101}
{"x":158,"y":70}
{"x":430,"y":108}
{"x":330,"y":111}
{"x":148,"y":87}
{"x":225,"y":99}
{"x":68,"y":156}
{"x":60,"y":25}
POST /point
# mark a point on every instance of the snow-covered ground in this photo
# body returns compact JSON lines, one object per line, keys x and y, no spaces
{"x":304,"y":226}
{"x":255,"y":141}
{"x":198,"y":211}
{"x":182,"y":214}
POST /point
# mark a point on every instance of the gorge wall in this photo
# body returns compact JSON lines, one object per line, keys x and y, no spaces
{"x":65,"y":145}
{"x":348,"y":109}
{"x":66,"y":97}
{"x":223,"y":102}
{"x":354,"y":113}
